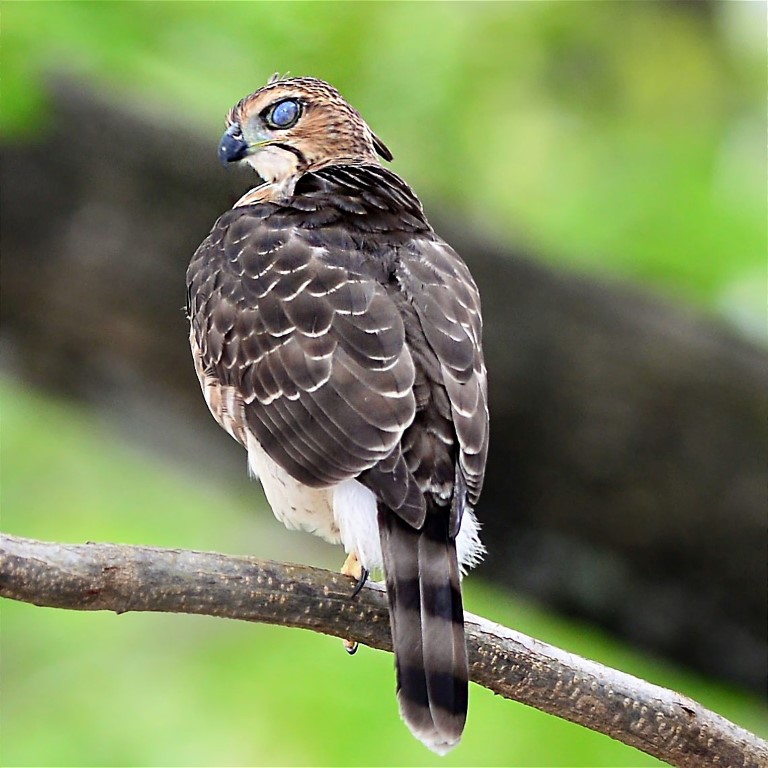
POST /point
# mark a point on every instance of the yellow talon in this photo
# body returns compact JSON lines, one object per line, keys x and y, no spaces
{"x":352,"y":567}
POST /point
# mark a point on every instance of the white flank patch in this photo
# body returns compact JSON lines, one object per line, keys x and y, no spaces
{"x":354,"y":509}
{"x":469,"y":548}
{"x":295,"y":505}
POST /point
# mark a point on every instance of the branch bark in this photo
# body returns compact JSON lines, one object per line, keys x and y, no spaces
{"x":123,"y":578}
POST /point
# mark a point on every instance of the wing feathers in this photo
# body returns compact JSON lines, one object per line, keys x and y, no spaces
{"x":446,"y":301}
{"x":316,"y":351}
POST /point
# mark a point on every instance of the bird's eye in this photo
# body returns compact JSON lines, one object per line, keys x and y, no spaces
{"x":284,"y":114}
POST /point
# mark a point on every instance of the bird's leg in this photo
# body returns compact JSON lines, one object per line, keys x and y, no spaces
{"x":353,"y":567}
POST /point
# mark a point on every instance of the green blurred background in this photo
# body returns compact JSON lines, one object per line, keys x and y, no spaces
{"x":618,"y":138}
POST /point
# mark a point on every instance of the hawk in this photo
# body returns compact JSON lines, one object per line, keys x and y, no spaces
{"x":338,"y":339}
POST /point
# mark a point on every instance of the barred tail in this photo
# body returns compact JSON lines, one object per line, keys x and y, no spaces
{"x":427,"y":622}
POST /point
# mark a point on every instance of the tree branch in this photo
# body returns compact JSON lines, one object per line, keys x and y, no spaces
{"x":122,"y":578}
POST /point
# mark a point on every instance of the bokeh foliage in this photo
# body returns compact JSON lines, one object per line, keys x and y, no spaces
{"x":623,"y":138}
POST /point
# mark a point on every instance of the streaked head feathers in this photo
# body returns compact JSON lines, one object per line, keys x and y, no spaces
{"x":295,"y":125}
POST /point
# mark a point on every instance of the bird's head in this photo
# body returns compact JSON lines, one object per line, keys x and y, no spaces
{"x":295,"y":125}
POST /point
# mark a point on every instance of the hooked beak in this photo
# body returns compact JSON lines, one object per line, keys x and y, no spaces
{"x":233,"y":146}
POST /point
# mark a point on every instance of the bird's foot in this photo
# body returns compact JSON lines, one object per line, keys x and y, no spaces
{"x":353,"y":567}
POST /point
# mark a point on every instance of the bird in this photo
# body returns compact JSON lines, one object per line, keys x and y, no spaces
{"x":338,"y":339}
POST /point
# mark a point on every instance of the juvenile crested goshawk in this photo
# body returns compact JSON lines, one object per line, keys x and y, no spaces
{"x":338,"y":339}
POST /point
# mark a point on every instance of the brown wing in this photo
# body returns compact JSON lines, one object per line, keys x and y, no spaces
{"x":315,"y":348}
{"x":446,"y":304}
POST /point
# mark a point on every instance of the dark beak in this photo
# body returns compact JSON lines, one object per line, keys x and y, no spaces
{"x":232,"y":146}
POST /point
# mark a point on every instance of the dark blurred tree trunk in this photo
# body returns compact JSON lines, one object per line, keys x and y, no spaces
{"x":626,"y":479}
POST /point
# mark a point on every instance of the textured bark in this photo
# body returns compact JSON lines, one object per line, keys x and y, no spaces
{"x":602,"y":398}
{"x":120,"y":578}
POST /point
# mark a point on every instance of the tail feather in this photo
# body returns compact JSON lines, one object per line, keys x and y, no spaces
{"x":427,"y":622}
